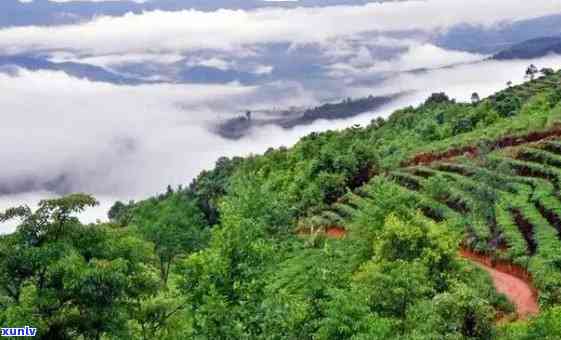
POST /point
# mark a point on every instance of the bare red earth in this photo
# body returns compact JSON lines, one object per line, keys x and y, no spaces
{"x":472,"y":151}
{"x":331,"y":232}
{"x":510,"y":280}
{"x":335,"y":232}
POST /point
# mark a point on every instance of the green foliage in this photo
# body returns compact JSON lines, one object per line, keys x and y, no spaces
{"x":394,"y":285}
{"x":210,"y":186}
{"x":348,"y":317}
{"x":175,"y":225}
{"x":223,"y":282}
{"x":546,"y":327}
{"x":221,"y":259}
{"x":121,"y":213}
{"x":71,"y":280}
{"x":457,"y":314}
{"x":507,"y":105}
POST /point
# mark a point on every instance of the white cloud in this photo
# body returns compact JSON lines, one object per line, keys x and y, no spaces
{"x":120,"y":140}
{"x":427,"y":56}
{"x":66,"y":115}
{"x":225,"y":65}
{"x":461,"y":81}
{"x":159,"y":31}
{"x":418,"y":56}
{"x":262,"y":69}
{"x":117,"y":59}
{"x":214,"y":62}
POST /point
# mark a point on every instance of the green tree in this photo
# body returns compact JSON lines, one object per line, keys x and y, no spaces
{"x":121,"y":213}
{"x":394,"y":286}
{"x":68,"y":279}
{"x":475,"y":98}
{"x":458,"y":314}
{"x":531,"y":72}
{"x":175,"y":225}
{"x":547,"y":71}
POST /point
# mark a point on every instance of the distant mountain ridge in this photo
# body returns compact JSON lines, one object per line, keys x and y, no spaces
{"x":529,"y":49}
{"x":133,"y":74}
{"x":239,"y":127}
{"x":78,"y":70}
{"x":477,"y":39}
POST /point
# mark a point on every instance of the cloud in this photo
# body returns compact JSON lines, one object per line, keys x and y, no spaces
{"x":427,"y":56}
{"x":263,"y":69}
{"x":164,"y":32}
{"x":91,"y":137}
{"x":416,"y":57}
{"x":117,"y":59}
{"x":225,"y":65}
{"x":214,"y":62}
{"x":460,"y":81}
{"x":118,"y":142}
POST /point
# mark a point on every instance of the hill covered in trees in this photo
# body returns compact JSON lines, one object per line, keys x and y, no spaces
{"x":245,"y":251}
{"x":237,"y":127}
{"x":534,"y":48}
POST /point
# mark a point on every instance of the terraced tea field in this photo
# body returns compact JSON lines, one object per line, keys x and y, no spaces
{"x":506,"y":203}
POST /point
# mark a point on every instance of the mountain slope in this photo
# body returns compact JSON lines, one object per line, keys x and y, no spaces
{"x":242,"y":252}
{"x":530,"y":49}
{"x":78,"y":70}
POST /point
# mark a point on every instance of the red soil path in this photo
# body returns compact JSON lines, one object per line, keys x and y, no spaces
{"x":510,"y":280}
{"x":472,"y":151}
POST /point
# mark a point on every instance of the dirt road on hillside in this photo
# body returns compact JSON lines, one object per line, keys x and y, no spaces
{"x":519,"y":291}
{"x":508,"y":279}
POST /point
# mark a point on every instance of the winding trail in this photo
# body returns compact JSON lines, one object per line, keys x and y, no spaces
{"x":510,"y":281}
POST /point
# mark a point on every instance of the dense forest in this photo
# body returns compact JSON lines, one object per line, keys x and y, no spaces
{"x":247,"y":250}
{"x":344,"y":109}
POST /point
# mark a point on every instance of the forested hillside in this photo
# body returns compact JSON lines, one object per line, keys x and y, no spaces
{"x":237,"y":127}
{"x":351,"y":234}
{"x":533,"y":48}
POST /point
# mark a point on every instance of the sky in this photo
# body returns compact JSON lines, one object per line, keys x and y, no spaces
{"x":64,"y":134}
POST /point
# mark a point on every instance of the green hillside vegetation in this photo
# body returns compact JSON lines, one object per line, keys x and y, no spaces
{"x":241,"y":253}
